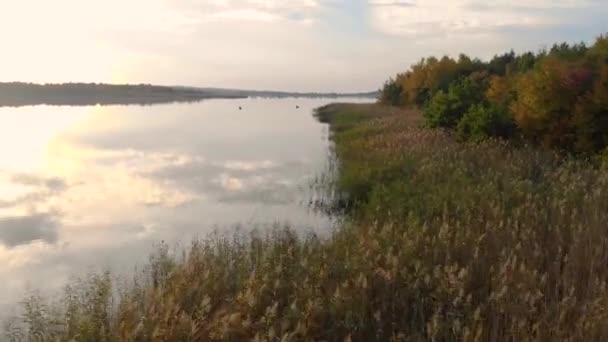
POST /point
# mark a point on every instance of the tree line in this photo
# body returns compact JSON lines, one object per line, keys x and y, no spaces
{"x":557,"y":97}
{"x":27,"y":94}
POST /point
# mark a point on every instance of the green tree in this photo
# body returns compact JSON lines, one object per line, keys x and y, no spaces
{"x":483,"y":121}
{"x":391,"y":92}
{"x":446,"y":109}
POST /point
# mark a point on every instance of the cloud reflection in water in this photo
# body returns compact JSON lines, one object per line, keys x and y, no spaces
{"x":98,"y":186}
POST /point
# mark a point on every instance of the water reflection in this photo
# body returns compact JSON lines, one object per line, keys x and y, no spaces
{"x":97,"y":186}
{"x":20,"y":230}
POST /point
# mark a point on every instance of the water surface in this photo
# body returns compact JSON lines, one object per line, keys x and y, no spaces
{"x":96,"y":187}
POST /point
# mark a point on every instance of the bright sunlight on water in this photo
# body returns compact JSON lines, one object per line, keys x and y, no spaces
{"x":97,"y":187}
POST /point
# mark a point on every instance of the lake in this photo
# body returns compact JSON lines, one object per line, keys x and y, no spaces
{"x":90,"y":188}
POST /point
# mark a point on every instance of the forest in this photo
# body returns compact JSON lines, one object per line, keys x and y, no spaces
{"x":556,"y":97}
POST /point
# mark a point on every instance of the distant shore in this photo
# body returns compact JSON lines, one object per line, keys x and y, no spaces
{"x":17,"y":94}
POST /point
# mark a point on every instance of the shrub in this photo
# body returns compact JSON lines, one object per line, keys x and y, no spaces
{"x":483,"y":121}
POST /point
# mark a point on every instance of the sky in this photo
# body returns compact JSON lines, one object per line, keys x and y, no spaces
{"x":293,"y":45}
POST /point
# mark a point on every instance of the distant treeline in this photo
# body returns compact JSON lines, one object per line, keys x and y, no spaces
{"x":17,"y":94}
{"x":281,"y":94}
{"x":557,"y":97}
{"x":23,"y":94}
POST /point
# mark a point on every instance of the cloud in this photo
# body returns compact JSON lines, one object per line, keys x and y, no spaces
{"x":54,"y":184}
{"x":438,"y":17}
{"x":391,"y":3}
{"x":22,"y":230}
{"x":245,"y":15}
{"x":249,"y":10}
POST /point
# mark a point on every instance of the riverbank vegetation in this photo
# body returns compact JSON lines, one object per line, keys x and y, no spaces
{"x":452,"y":233}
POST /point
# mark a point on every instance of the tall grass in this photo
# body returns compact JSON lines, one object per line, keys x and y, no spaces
{"x":446,"y":241}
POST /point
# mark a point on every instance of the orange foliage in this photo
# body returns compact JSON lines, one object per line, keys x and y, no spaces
{"x":499,"y":90}
{"x":547,"y":99}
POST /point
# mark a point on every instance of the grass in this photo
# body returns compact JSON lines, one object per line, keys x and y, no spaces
{"x":446,"y":241}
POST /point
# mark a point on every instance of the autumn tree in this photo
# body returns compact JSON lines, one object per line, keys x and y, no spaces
{"x":546,"y":100}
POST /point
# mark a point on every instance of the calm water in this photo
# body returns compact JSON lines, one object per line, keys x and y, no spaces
{"x":96,"y":187}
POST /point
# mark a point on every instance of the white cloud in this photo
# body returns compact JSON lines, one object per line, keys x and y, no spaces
{"x":250,"y":10}
{"x":244,"y":15}
{"x":249,"y":165}
{"x":430,"y":17}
